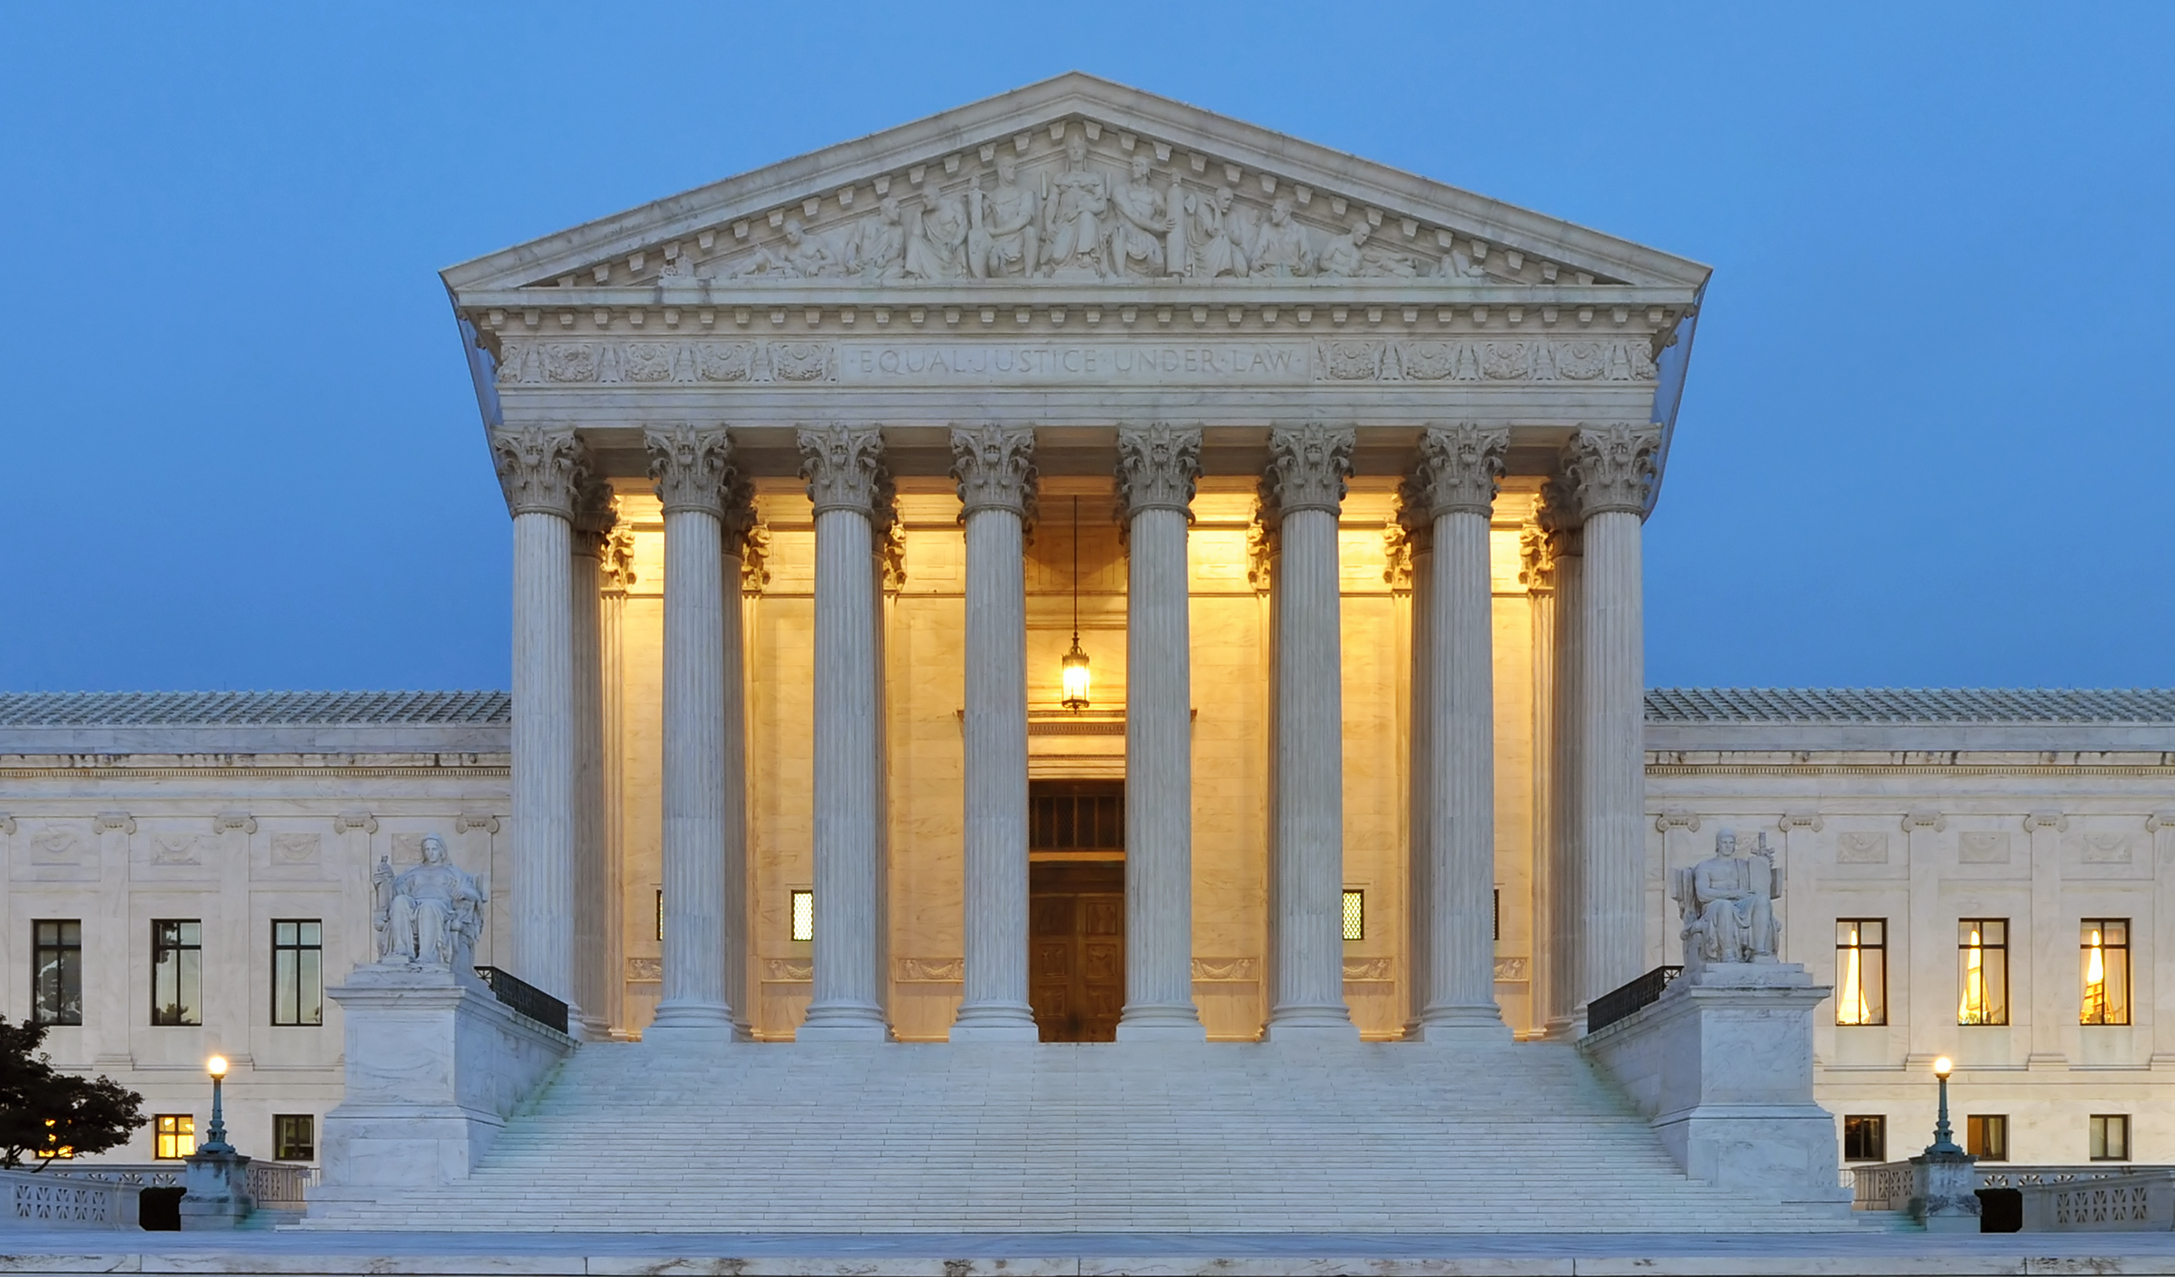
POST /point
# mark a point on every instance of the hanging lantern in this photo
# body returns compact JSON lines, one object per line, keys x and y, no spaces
{"x":1076,"y":677}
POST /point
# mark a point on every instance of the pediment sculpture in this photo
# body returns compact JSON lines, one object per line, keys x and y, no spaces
{"x":1727,"y":904}
{"x":430,"y":915}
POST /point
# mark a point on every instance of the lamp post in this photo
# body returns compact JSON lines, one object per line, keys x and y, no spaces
{"x":217,"y":1067}
{"x":1944,"y":1178}
{"x":1943,"y":1144}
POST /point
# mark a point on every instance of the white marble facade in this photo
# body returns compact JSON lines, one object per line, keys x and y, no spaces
{"x":1361,"y":463}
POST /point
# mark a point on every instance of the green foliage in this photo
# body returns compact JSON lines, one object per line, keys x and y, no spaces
{"x":44,"y":1111}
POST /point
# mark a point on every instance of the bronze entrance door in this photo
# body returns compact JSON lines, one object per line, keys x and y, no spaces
{"x":1076,"y":948}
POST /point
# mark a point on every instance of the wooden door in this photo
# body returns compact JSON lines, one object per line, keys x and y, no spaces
{"x":1076,"y":949}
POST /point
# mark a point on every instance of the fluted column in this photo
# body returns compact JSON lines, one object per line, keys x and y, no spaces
{"x":594,"y":898}
{"x":1304,"y":488}
{"x":1565,"y":902}
{"x":844,"y":467}
{"x":540,"y":469}
{"x":737,"y":525}
{"x":1157,"y":467}
{"x":1459,"y":468}
{"x":693,"y":469}
{"x":617,"y":570}
{"x":1611,"y":469}
{"x":995,"y":468}
{"x":1418,"y":529}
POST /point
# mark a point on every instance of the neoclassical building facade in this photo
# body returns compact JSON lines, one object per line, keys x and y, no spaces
{"x":1081,"y":568}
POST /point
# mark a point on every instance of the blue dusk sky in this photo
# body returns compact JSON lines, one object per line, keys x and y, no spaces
{"x":1926,"y":439}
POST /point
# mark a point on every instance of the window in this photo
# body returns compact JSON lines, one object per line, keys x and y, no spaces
{"x":1355,"y":914}
{"x":1861,"y":971}
{"x":804,"y":915}
{"x":1865,"y":1138}
{"x":1986,"y":1137}
{"x":298,"y":971}
{"x":177,"y":972}
{"x":294,"y":1137}
{"x":56,"y":971}
{"x":1076,"y":815}
{"x":173,"y":1135}
{"x":2104,"y":952}
{"x":1982,"y":960}
{"x":2110,"y":1137}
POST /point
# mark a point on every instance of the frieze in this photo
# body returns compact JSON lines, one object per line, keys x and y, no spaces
{"x":1039,"y":361}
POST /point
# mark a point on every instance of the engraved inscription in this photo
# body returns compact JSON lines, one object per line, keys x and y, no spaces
{"x":1118,"y":363}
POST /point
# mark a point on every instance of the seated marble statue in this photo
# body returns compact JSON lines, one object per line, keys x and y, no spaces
{"x":431,"y":915}
{"x":1727,"y":904}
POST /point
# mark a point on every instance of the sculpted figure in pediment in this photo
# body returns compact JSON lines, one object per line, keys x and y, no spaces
{"x":1342,"y":255}
{"x":878,"y":249}
{"x":1002,"y":237}
{"x":936,"y":246}
{"x":1210,"y":247}
{"x":1280,"y":245}
{"x":1140,"y":223}
{"x":1078,"y":202}
{"x":801,"y":256}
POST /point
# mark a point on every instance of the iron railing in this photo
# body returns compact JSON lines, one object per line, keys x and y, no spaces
{"x":280,"y":1185}
{"x":525,"y":998}
{"x":1625,"y":1001}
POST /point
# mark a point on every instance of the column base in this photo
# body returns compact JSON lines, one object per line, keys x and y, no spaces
{"x":843,"y":1022}
{"x":697,"y":1019}
{"x":1161,"y":1024}
{"x":1311,"y":1024}
{"x":996,"y":1022}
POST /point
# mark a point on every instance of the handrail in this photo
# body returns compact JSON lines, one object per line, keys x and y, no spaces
{"x":525,"y":998}
{"x":1625,"y":1000}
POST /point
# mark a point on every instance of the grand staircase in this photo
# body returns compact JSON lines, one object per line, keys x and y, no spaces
{"x":1285,"y":1137}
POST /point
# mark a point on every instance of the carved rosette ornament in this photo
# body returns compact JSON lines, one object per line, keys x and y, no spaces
{"x":692,"y":466}
{"x":844,"y":467}
{"x":1460,"y":467}
{"x":540,"y":468}
{"x":1158,"y":466}
{"x":995,"y":467}
{"x":1612,"y":468}
{"x":1307,"y":468}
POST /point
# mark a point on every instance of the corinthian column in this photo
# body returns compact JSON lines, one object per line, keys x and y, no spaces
{"x":995,"y":469}
{"x":1566,"y":864}
{"x":1303,"y":492}
{"x":1611,"y":470}
{"x":1459,"y":468}
{"x":593,"y":897}
{"x":1418,"y":529}
{"x":844,"y":469}
{"x":1157,"y":467}
{"x":693,"y":468}
{"x":540,"y":468}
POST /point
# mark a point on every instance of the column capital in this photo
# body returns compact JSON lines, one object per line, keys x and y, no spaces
{"x":1158,"y":465}
{"x":539,"y":468}
{"x":1308,"y":465}
{"x":844,"y":467}
{"x":1612,"y":468}
{"x":995,"y":467}
{"x":1410,"y":534}
{"x":596,"y":512}
{"x":692,"y":466}
{"x":616,"y":559}
{"x":1460,"y":468}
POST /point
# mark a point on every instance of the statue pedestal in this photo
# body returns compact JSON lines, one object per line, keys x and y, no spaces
{"x":435,"y":1065}
{"x":215,"y":1191}
{"x":1945,"y":1192}
{"x":1721,"y":1064}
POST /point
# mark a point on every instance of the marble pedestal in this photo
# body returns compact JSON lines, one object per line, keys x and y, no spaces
{"x":1721,"y":1065}
{"x":1945,"y":1192}
{"x":215,"y":1191}
{"x":435,"y":1066}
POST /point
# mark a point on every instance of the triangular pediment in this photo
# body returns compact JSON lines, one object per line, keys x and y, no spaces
{"x":1073,"y":181}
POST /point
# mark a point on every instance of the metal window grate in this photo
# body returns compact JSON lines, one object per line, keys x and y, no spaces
{"x":1076,"y":815}
{"x":804,"y":915}
{"x":1355,"y":915}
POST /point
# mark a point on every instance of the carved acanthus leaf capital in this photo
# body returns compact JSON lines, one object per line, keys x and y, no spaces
{"x":540,"y":468}
{"x":596,"y":510}
{"x":1410,"y":534}
{"x":1158,"y":465}
{"x":692,"y":466}
{"x":995,"y":467}
{"x":844,"y":467}
{"x":1307,"y":468}
{"x":1460,"y":468}
{"x":1612,"y":468}
{"x":755,"y":559}
{"x":1536,"y":565}
{"x":616,"y":559}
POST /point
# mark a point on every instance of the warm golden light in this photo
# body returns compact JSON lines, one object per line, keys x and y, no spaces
{"x":1076,"y":677}
{"x":216,"y":1066}
{"x":1943,"y":1067}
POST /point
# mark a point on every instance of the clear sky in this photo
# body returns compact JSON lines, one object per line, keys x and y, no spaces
{"x":1927,"y":439}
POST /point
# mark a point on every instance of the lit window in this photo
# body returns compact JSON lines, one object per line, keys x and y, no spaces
{"x":1861,"y":971}
{"x":56,"y":971}
{"x":1355,"y":915}
{"x":298,"y":971}
{"x":2110,"y":1137}
{"x":2104,"y":945}
{"x":1982,"y":958}
{"x":174,"y":1135}
{"x":177,"y":972}
{"x":294,"y":1137}
{"x":1865,"y":1138}
{"x":1986,"y":1137}
{"x":804,"y":915}
{"x":51,"y":1149}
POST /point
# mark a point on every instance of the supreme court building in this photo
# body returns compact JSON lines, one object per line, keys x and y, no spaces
{"x":1081,"y":568}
